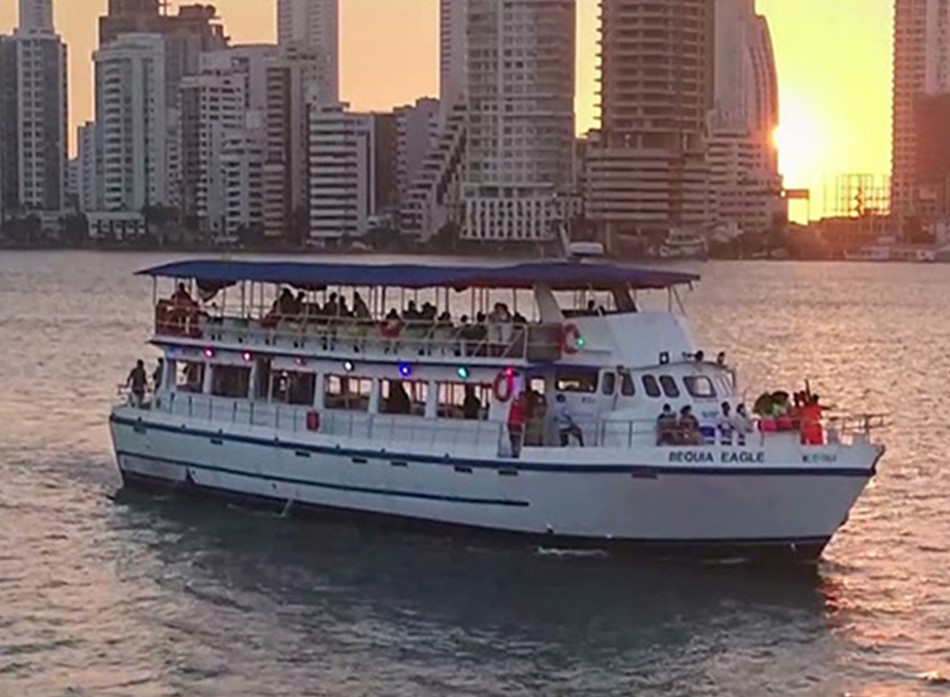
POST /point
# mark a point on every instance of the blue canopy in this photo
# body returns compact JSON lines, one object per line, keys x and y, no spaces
{"x":559,"y":275}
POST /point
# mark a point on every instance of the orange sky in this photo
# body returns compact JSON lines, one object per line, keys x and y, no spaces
{"x":834,"y":62}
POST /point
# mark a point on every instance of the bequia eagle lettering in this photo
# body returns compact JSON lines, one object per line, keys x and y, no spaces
{"x":745,"y":457}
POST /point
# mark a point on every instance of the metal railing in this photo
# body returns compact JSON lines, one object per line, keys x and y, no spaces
{"x":480,"y":435}
{"x":413,"y":339}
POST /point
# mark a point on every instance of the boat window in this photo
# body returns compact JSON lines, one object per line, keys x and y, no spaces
{"x":670,"y":388}
{"x":700,"y":386}
{"x":347,"y":393}
{"x":626,"y":385}
{"x":650,"y":386}
{"x":190,"y":377}
{"x":294,"y":388}
{"x":463,"y":401}
{"x":403,"y":397}
{"x":230,"y":381}
{"x":609,"y":384}
{"x":584,"y":381}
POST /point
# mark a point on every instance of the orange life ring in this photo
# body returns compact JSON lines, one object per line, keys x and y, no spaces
{"x":570,"y":339}
{"x":505,"y":379}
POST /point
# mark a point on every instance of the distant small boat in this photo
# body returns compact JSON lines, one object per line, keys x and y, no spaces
{"x":915,"y":254}
{"x":682,"y":244}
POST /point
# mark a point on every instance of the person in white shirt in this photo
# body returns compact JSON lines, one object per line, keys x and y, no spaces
{"x":564,"y":421}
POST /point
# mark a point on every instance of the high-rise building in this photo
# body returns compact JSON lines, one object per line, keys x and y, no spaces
{"x":242,"y":162}
{"x":342,"y":174}
{"x":745,"y":185}
{"x":131,"y":124}
{"x":290,"y":90}
{"x":921,"y":82}
{"x":212,"y":107}
{"x":519,"y":97}
{"x":33,"y":112}
{"x":417,"y":132}
{"x":314,"y":26}
{"x":452,"y":42}
{"x":647,"y":170}
{"x":86,"y":142}
{"x":188,"y":34}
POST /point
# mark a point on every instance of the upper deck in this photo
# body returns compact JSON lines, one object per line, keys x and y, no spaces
{"x":542,"y":312}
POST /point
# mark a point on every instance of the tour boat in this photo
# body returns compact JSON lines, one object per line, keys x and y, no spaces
{"x":683,"y":244}
{"x":422,"y":402}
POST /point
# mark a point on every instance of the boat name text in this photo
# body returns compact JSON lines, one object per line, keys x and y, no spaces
{"x":750,"y":457}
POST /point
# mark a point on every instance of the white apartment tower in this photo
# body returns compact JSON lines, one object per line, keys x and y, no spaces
{"x":745,"y":185}
{"x":647,"y":170}
{"x":33,"y":112}
{"x":86,"y":141}
{"x":519,"y":95}
{"x":131,"y":128}
{"x":314,"y":25}
{"x":921,"y":75}
{"x":452,"y":28}
{"x":342,"y":174}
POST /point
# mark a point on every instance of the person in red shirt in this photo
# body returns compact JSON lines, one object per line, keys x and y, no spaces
{"x":812,"y":433}
{"x":517,"y":415}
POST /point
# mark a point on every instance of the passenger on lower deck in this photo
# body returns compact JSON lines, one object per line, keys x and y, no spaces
{"x":688,"y":432}
{"x":471,"y":405}
{"x":666,"y":426}
{"x":137,"y":383}
{"x":566,"y":425}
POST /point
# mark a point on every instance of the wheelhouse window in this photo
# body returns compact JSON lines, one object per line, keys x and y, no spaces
{"x":651,"y":386}
{"x":290,"y":387}
{"x":403,"y":397}
{"x":190,"y":376}
{"x":347,"y":393}
{"x":700,"y":387}
{"x":670,"y":388}
{"x":230,"y":381}
{"x":609,"y":384}
{"x":582,"y":381}
{"x":627,"y":388}
{"x":463,"y":401}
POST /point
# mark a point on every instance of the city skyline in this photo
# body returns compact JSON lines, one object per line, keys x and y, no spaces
{"x":834,"y":62}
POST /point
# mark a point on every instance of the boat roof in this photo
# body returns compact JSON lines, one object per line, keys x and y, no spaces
{"x":559,"y":275}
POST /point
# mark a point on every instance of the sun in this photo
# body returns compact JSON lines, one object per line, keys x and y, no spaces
{"x":800,"y":140}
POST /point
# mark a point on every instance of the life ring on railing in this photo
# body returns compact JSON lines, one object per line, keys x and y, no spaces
{"x":504,"y":386}
{"x":570,"y":339}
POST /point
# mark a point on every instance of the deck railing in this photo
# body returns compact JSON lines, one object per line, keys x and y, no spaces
{"x":530,"y":342}
{"x":458,"y":435}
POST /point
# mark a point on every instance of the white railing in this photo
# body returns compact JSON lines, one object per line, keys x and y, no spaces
{"x":481,"y":435}
{"x":516,"y":342}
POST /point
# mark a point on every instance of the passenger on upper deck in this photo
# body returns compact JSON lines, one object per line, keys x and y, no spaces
{"x":360,"y":308}
{"x":332,"y":309}
{"x":181,"y":297}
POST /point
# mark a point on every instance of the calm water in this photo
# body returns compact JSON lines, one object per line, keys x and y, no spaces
{"x":105,"y":593}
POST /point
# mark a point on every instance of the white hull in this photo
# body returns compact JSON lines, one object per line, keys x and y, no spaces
{"x":595,"y":494}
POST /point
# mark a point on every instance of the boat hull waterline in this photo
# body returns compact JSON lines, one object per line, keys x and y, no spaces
{"x":703,"y":509}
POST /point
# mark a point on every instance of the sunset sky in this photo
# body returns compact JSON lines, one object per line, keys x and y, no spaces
{"x":834,"y":63}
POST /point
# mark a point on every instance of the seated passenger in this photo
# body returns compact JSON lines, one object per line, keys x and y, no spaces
{"x":300,"y":304}
{"x":688,"y":428}
{"x":332,"y":309}
{"x":286,"y":305}
{"x":411,"y":314}
{"x":725,"y":425}
{"x":666,"y":426}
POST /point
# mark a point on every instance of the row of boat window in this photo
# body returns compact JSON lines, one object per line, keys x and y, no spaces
{"x":697,"y":386}
{"x":353,"y":392}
